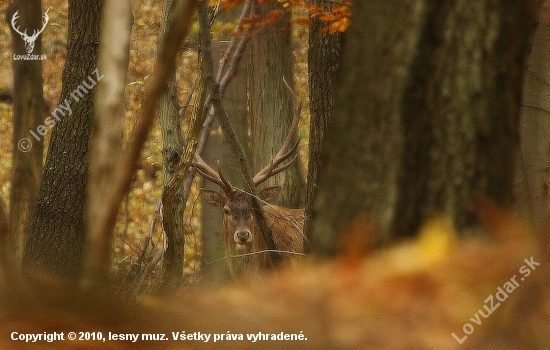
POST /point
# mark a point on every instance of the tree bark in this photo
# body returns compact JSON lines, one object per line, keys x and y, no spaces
{"x":56,"y":237}
{"x":108,"y":128}
{"x":534,"y":130}
{"x":172,"y":140}
{"x":28,"y":114}
{"x":462,"y":111}
{"x":323,"y":60}
{"x":234,"y":99}
{"x":270,"y":104}
{"x":5,"y":254}
{"x":425,"y":113}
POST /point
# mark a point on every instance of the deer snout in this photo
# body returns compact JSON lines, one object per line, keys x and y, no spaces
{"x":242,"y":236}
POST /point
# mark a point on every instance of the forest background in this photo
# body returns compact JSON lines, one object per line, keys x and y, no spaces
{"x":441,"y":104}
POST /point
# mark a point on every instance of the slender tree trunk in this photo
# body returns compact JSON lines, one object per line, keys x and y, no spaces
{"x":56,"y":237}
{"x":170,"y":124}
{"x":426,"y":114}
{"x":28,"y":114}
{"x":5,"y":254}
{"x":270,"y":103}
{"x":108,"y":129}
{"x":323,"y":60}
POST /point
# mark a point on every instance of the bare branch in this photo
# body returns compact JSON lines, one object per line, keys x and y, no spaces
{"x":224,"y":79}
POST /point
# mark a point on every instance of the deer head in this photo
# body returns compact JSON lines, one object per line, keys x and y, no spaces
{"x":29,"y":40}
{"x":238,"y":221}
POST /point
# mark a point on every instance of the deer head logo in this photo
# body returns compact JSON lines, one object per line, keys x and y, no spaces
{"x":29,"y":40}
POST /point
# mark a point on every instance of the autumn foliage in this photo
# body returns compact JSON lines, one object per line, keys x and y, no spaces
{"x":337,"y":18}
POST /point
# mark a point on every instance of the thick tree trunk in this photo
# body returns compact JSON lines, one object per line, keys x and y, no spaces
{"x":534,"y":130}
{"x":365,"y":125}
{"x":28,"y":114}
{"x":426,"y":114}
{"x":56,"y":236}
{"x":323,"y":60}
{"x":461,"y":110}
{"x":234,"y":100}
{"x":271,"y":105}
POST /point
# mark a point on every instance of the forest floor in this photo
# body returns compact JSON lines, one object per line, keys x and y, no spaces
{"x":138,"y":210}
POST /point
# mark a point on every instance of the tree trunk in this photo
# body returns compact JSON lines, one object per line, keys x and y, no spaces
{"x":57,"y":233}
{"x":323,"y":59}
{"x":170,"y":124}
{"x":217,"y":148}
{"x":5,"y":254}
{"x":108,"y":129}
{"x":426,"y":114}
{"x":28,"y":114}
{"x":271,"y":105}
{"x":534,"y":130}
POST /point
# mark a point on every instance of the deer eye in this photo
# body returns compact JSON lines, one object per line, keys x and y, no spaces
{"x":226,"y":211}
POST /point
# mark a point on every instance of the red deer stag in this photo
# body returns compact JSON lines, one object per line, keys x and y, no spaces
{"x":243,"y":242}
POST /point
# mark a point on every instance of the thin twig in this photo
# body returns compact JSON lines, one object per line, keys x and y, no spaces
{"x":251,"y":253}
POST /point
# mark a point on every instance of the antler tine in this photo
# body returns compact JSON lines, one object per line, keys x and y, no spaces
{"x":14,"y":26}
{"x":212,"y":175}
{"x":227,"y":184}
{"x":289,"y":146}
{"x":45,"y":18}
{"x":294,"y":126}
{"x":35,"y":32}
{"x":273,"y":168}
{"x":205,"y":170}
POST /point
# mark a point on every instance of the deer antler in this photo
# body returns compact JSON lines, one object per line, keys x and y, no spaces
{"x":13,"y":19}
{"x":274,"y":167}
{"x":287,"y":149}
{"x":35,"y":33}
{"x":29,"y":40}
{"x":212,"y":175}
{"x":44,"y":23}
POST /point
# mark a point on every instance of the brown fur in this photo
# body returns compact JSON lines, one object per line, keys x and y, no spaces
{"x":246,"y":257}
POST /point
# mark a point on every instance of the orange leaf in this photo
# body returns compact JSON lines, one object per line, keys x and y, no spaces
{"x":229,"y":4}
{"x":314,"y":10}
{"x":328,"y":17}
{"x":339,"y":26}
{"x":303,"y":21}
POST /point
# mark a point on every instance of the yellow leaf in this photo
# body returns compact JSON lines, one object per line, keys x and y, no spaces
{"x":436,"y":237}
{"x":433,"y":245}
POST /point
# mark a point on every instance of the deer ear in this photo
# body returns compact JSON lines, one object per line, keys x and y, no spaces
{"x":212,"y":197}
{"x":269,"y":194}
